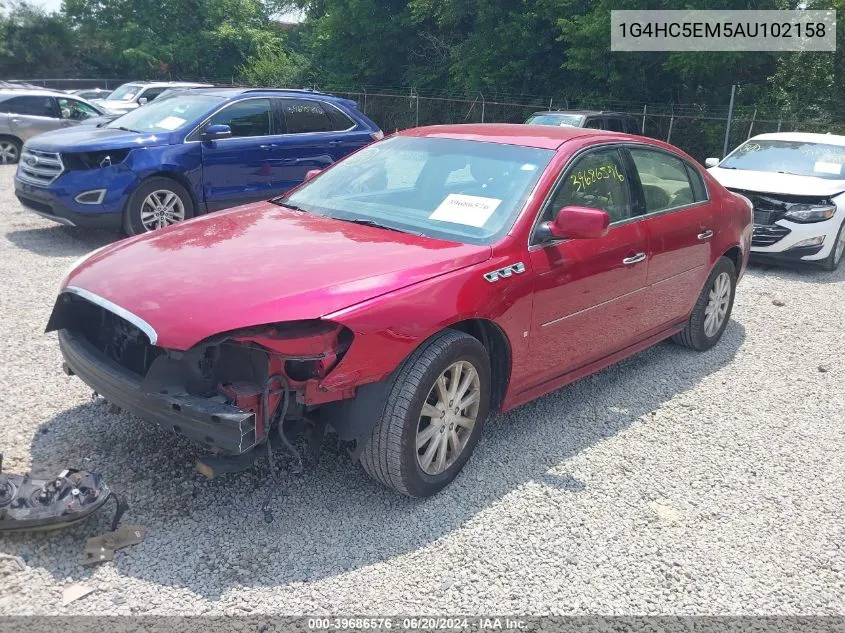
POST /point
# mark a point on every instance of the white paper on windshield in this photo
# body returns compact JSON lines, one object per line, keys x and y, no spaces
{"x":469,"y":210}
{"x":828,"y":168}
{"x":170,"y":123}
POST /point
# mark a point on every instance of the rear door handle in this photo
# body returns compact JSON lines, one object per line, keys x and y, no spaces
{"x":15,"y":120}
{"x":634,"y":258}
{"x":268,"y":146}
{"x":705,"y":235}
{"x":335,"y":143}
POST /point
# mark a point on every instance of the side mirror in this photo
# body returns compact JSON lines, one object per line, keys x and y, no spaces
{"x":575,"y":223}
{"x":142,"y":100}
{"x":711,"y":162}
{"x":216,"y":132}
{"x":311,"y":173}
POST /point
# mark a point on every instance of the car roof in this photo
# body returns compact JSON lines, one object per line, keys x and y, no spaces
{"x":539,"y":136}
{"x":581,"y":112}
{"x":37,"y":92}
{"x":290,"y":92}
{"x":167,"y":84}
{"x":802,"y":137}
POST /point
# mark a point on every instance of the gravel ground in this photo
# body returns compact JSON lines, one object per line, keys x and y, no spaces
{"x":672,"y":483}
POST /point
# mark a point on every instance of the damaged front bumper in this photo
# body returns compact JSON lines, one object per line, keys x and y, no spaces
{"x":207,"y":421}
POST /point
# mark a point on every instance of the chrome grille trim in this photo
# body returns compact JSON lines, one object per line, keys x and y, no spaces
{"x":39,"y":168}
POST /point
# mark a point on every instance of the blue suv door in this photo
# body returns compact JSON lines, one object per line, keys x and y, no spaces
{"x":242,"y":168}
{"x":316,"y":135}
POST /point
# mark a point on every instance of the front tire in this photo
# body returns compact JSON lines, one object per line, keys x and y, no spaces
{"x":832,"y":261}
{"x":10,"y":150}
{"x":712,"y":311}
{"x":433,"y":417}
{"x":155,"y":204}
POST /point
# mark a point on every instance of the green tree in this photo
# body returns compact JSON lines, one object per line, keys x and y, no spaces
{"x":35,"y":43}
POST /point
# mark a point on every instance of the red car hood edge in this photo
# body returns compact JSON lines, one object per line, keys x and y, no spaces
{"x":256,"y":265}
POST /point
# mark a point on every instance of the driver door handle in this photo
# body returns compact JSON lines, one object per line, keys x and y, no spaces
{"x":634,"y":259}
{"x":705,"y":235}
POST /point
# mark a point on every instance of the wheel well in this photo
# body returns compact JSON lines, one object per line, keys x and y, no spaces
{"x":499,"y":350}
{"x":13,"y":138}
{"x":182,"y":181}
{"x":735,"y":255}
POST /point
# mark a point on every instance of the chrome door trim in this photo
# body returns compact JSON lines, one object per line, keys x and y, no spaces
{"x":598,"y":305}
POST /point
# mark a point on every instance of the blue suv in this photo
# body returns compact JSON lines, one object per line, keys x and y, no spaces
{"x":186,"y":154}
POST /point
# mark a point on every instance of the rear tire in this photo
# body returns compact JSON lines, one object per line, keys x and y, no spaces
{"x":832,"y":261}
{"x":403,"y":451}
{"x":703,"y":331}
{"x":156,"y":203}
{"x":10,"y":150}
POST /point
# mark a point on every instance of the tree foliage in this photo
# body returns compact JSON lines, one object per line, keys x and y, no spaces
{"x":499,"y":48}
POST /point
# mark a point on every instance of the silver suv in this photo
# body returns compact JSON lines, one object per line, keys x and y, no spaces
{"x":135,"y":94}
{"x":27,"y":112}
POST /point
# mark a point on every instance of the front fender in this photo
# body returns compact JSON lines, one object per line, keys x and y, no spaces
{"x":182,"y":162}
{"x":389,"y":328}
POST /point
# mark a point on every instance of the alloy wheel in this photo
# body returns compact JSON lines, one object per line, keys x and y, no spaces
{"x":161,"y":208}
{"x":8,"y":153}
{"x":448,"y":417}
{"x":840,"y":247}
{"x":717,"y":306}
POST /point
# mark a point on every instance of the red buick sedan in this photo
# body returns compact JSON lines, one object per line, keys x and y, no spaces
{"x":404,"y":293}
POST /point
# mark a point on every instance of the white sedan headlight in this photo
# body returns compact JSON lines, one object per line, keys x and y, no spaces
{"x":810,"y":212}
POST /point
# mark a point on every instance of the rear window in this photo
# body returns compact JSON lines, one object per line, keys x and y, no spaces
{"x":571,"y":120}
{"x":339,"y":120}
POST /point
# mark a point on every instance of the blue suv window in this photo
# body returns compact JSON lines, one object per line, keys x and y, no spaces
{"x":305,"y":115}
{"x":252,"y":117}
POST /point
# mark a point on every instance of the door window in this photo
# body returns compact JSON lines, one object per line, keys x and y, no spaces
{"x":32,"y":106}
{"x":597,"y":123}
{"x":664,"y":180}
{"x":76,"y":110}
{"x":152,"y":93}
{"x":252,"y":117}
{"x":304,"y":115}
{"x":596,"y":180}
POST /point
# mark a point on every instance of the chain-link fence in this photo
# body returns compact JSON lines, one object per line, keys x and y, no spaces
{"x":698,"y":129}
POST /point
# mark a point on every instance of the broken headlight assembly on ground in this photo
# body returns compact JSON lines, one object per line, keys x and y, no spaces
{"x":37,"y":504}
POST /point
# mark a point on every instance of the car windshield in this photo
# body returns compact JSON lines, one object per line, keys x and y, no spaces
{"x":167,"y":114}
{"x":457,"y":190}
{"x":126,"y":92}
{"x":573,"y":120}
{"x":789,"y":157}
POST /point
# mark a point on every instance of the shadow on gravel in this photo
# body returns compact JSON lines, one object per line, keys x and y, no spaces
{"x":209,"y":536}
{"x":61,"y":241}
{"x":805,"y":273}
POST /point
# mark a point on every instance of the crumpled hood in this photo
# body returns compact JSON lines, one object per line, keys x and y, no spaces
{"x":256,"y":265}
{"x":88,"y":138}
{"x":769,"y":182}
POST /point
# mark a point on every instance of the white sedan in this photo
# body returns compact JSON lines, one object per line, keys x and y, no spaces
{"x":796,"y":183}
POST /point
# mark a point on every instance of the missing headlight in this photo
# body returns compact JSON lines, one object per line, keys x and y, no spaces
{"x":94,"y":160}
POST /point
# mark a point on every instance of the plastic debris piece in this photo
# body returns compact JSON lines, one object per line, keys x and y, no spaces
{"x":75,"y":592}
{"x":99,"y":549}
